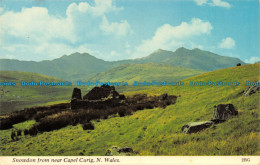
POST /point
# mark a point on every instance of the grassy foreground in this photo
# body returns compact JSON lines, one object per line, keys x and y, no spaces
{"x":158,"y":131}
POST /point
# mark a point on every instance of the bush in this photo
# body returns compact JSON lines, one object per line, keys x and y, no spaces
{"x":121,"y":112}
{"x":88,"y":126}
{"x":19,"y":132}
{"x":26,"y":132}
{"x":33,"y":131}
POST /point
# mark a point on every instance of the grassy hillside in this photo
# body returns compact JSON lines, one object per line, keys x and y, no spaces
{"x":158,"y":131}
{"x":18,"y":97}
{"x":145,"y":72}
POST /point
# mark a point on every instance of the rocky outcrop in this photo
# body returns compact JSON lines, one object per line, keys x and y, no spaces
{"x":194,"y":127}
{"x":224,"y":112}
{"x":117,"y":151}
{"x":251,"y":90}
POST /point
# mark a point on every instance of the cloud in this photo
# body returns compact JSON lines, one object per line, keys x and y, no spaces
{"x":252,"y":60}
{"x":227,"y":43}
{"x":100,"y":8}
{"x":37,"y":31}
{"x":201,"y":2}
{"x":7,"y":56}
{"x":171,"y":37}
{"x":1,"y":9}
{"x":218,"y":3}
{"x":122,"y":28}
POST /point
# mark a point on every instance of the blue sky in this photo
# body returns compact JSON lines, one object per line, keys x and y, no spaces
{"x":38,"y":30}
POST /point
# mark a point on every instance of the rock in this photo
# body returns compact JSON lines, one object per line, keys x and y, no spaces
{"x":224,"y":112}
{"x":76,"y":94}
{"x":238,"y":64}
{"x":194,"y":127}
{"x":125,"y":150}
{"x":116,"y":151}
{"x":251,"y":90}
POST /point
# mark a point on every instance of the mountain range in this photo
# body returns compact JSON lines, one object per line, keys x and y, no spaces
{"x":83,"y":66}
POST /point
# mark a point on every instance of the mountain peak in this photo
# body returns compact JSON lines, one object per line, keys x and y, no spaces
{"x":181,"y":49}
{"x":159,"y":50}
{"x":77,"y":55}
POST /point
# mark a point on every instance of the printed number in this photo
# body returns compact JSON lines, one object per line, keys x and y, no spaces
{"x":245,"y":159}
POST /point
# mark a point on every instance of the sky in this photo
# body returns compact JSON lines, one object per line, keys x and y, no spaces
{"x":35,"y":30}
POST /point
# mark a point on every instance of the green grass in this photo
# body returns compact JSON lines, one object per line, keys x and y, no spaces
{"x":158,"y":131}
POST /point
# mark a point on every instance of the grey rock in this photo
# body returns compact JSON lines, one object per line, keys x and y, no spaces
{"x":224,"y":112}
{"x":117,"y":151}
{"x":194,"y":127}
{"x":251,"y":90}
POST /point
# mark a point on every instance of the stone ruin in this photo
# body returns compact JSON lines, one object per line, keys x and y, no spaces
{"x":102,"y":93}
{"x":107,"y":97}
{"x":97,"y":98}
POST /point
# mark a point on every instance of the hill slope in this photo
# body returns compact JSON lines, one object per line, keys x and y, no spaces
{"x":145,"y":72}
{"x":158,"y":131}
{"x":84,"y":66}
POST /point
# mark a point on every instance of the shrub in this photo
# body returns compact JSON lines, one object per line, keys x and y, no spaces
{"x":19,"y":132}
{"x":88,"y":126}
{"x":26,"y":132}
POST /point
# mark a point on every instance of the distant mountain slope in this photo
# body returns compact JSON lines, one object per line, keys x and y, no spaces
{"x":83,"y":66}
{"x":195,"y":59}
{"x":146,"y":72}
{"x":72,"y":67}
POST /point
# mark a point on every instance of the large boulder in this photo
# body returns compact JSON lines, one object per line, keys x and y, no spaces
{"x":76,"y":94}
{"x":224,"y":112}
{"x":124,"y":151}
{"x":251,"y":90}
{"x":194,"y":127}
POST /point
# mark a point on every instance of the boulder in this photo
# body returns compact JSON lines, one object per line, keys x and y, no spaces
{"x":194,"y":127}
{"x":76,"y":94}
{"x":224,"y":112}
{"x":125,"y":150}
{"x":117,"y":151}
{"x":238,"y":64}
{"x":251,"y":90}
